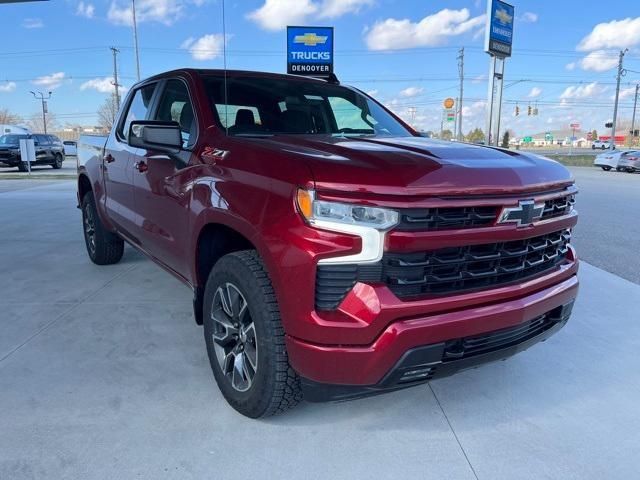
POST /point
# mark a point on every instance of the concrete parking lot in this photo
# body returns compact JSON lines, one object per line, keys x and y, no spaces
{"x":103,"y":374}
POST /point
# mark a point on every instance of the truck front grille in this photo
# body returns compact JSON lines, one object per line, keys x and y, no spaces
{"x":448,"y":270}
{"x":447,"y":218}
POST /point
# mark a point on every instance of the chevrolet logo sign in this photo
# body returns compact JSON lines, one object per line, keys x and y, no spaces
{"x":523,"y":215}
{"x":310,"y":39}
{"x":504,"y":16}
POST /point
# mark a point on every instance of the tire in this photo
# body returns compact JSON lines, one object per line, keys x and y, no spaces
{"x":593,"y":147}
{"x":602,"y":147}
{"x":618,"y":169}
{"x":23,"y":167}
{"x":606,"y":169}
{"x":103,"y":247}
{"x":57,"y":162}
{"x":268,"y":385}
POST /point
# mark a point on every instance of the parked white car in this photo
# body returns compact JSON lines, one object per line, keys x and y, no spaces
{"x":601,"y":144}
{"x":70,"y":148}
{"x":610,"y":160}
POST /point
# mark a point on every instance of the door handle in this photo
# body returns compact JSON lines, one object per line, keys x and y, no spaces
{"x":141,"y":166}
{"x":108,"y":158}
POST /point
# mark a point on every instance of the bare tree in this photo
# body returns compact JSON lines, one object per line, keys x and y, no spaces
{"x":107,"y":112}
{"x":36,"y":123}
{"x":9,"y":118}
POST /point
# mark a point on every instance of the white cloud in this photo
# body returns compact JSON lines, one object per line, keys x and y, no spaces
{"x":7,"y":87}
{"x":474,"y":110}
{"x":102,"y":85}
{"x":535,"y":92}
{"x":338,"y":8}
{"x":85,"y":10}
{"x":626,"y":93}
{"x":613,"y":34}
{"x":529,"y":17}
{"x":50,"y":81}
{"x":479,"y":79}
{"x":159,"y":11}
{"x":372,"y":93}
{"x":411,"y":92}
{"x":274,"y":15}
{"x":432,"y":30}
{"x":576,"y":92}
{"x":599,"y":61}
{"x":32,"y":23}
{"x":207,"y":47}
{"x":570,"y":66}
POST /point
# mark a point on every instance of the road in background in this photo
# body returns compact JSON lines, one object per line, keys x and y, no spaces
{"x":608,"y":232}
{"x":562,"y":151}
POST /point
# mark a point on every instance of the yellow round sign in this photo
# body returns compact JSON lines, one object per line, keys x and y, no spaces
{"x":448,"y":102}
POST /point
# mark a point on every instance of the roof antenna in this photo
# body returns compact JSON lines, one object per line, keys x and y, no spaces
{"x":224,"y":59}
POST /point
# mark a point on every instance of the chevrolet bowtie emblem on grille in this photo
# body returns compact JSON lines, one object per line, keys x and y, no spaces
{"x":524,"y":214}
{"x":310,"y":39}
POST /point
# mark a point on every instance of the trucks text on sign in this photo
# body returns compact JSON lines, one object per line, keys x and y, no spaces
{"x":310,"y":51}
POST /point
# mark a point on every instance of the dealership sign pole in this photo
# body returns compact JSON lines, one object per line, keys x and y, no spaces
{"x":498,"y":41}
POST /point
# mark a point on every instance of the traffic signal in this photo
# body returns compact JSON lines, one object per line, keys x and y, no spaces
{"x":529,"y":110}
{"x":608,"y":125}
{"x":517,"y":110}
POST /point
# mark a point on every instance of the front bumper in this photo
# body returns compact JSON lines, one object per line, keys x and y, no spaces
{"x":344,"y":371}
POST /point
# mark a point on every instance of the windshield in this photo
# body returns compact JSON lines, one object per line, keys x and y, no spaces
{"x":12,"y":139}
{"x":266,"y":106}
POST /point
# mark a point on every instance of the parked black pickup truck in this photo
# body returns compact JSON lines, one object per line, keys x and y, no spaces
{"x":49,"y":150}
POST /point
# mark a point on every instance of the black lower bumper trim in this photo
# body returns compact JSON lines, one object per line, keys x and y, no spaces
{"x":438,"y":360}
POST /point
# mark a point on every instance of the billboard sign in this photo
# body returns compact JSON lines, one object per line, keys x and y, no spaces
{"x":310,"y":51}
{"x":499,"y":33}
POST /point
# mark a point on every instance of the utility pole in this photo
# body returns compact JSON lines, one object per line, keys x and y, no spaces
{"x":115,"y":52}
{"x":412,"y":113}
{"x":135,"y":38}
{"x":633,"y":118}
{"x":461,"y":73}
{"x":621,"y":72}
{"x":43,"y":99}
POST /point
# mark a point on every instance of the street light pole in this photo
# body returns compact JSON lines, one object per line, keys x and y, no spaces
{"x":135,"y":38}
{"x":43,"y":99}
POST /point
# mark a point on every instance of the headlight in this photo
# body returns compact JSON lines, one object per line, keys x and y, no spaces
{"x":345,"y":213}
{"x":369,"y":223}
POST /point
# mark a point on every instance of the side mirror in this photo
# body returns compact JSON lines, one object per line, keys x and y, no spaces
{"x":155,"y":135}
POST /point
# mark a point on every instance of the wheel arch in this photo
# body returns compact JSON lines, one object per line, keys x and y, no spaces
{"x":84,"y":186}
{"x":214,"y":240}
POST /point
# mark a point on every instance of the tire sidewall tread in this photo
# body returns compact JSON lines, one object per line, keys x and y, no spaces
{"x":276,"y":387}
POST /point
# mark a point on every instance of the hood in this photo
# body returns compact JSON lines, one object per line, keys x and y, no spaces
{"x":418,"y":166}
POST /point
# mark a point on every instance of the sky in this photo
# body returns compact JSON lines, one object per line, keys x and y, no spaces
{"x":403,"y":52}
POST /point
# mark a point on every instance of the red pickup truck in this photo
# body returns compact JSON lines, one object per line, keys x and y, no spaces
{"x":332,"y":251}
